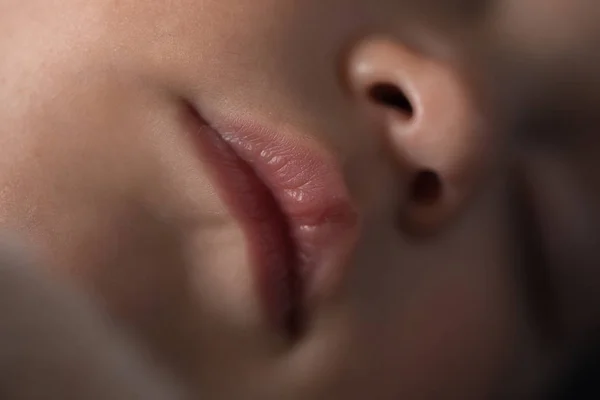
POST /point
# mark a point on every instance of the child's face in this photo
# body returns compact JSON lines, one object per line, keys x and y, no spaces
{"x":105,"y":166}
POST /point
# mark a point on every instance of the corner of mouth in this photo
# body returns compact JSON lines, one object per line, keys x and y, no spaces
{"x":293,"y":206}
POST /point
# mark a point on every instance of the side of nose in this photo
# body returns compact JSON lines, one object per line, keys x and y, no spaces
{"x":432,"y":122}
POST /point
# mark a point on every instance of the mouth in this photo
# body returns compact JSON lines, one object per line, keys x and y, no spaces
{"x":291,"y":201}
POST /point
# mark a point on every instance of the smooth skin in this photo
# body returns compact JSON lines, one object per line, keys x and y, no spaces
{"x":98,"y":172}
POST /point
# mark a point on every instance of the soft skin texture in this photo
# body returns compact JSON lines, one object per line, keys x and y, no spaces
{"x":79,"y":355}
{"x":541,"y":68}
{"x":98,"y":170}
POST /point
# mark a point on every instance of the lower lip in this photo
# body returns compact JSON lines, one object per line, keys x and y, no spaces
{"x":294,"y":208}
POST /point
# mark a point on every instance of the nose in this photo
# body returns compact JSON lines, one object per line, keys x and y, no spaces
{"x":428,"y":115}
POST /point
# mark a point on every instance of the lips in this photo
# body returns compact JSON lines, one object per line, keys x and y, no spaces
{"x":291,"y":201}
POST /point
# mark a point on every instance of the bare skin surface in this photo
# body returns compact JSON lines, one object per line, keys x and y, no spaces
{"x":55,"y":345}
{"x":98,"y":170}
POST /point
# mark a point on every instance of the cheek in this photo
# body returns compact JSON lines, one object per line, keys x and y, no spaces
{"x":549,"y":27}
{"x":97,"y":172}
{"x":454,"y":334}
{"x":455,"y":318}
{"x":460,"y":327}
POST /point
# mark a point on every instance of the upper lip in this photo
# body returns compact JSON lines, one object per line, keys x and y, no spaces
{"x":292,"y":202}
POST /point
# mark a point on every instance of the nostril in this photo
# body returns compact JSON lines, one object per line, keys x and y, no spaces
{"x":391,"y":96}
{"x":426,"y":188}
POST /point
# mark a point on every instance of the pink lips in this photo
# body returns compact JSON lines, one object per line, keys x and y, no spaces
{"x":292,"y":202}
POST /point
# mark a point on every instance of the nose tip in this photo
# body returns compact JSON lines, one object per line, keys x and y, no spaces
{"x":431,"y":120}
